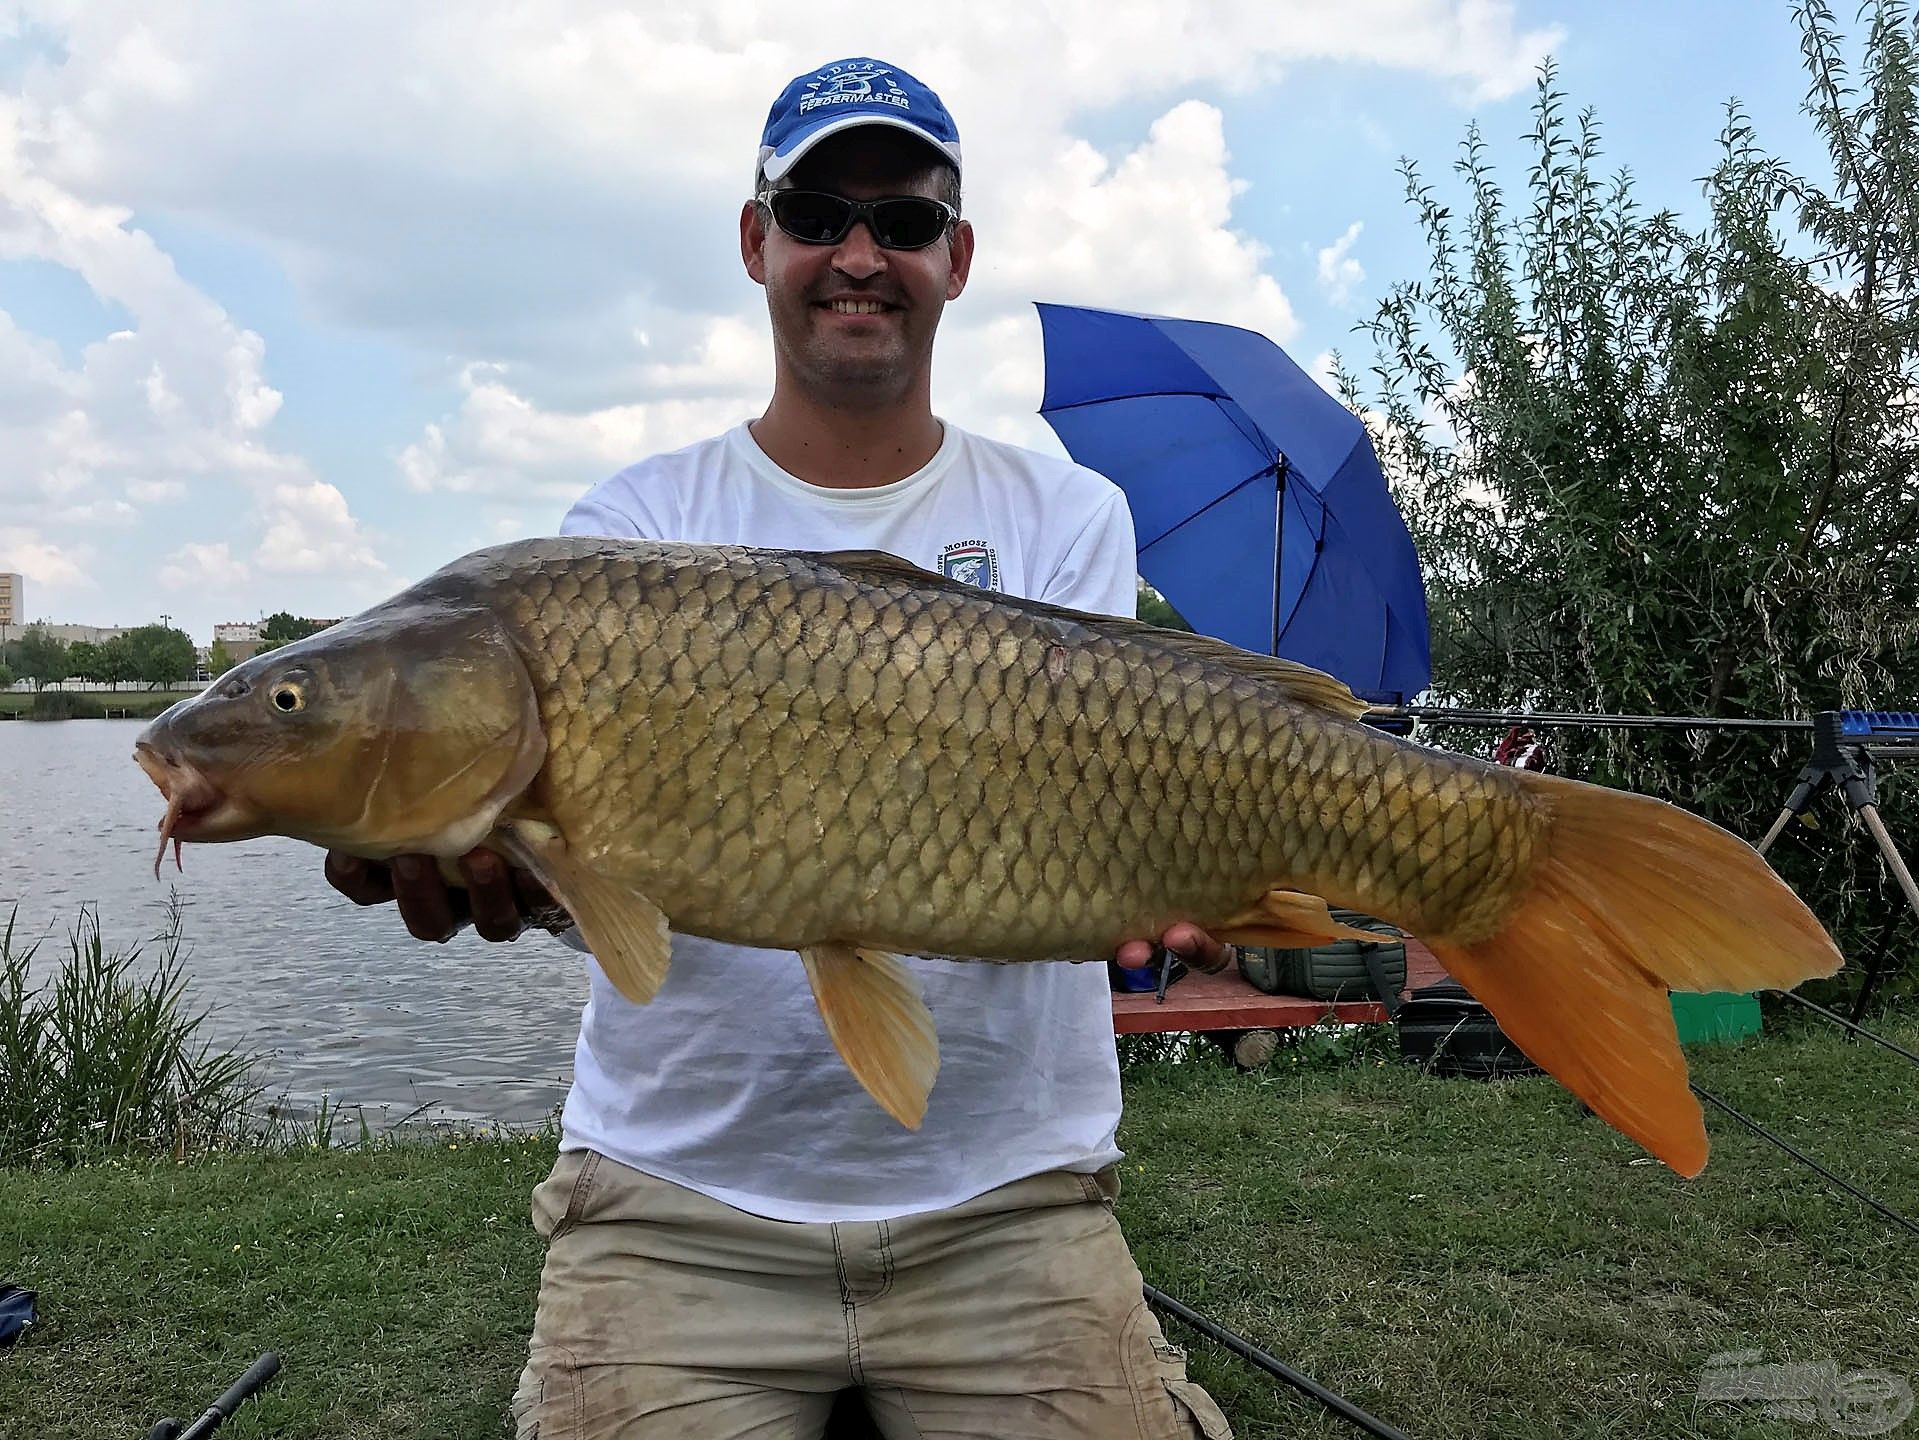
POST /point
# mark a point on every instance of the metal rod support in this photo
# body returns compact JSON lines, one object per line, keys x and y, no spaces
{"x":1273,"y":1366}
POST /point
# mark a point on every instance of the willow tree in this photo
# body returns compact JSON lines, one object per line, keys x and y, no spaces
{"x":1665,"y":467}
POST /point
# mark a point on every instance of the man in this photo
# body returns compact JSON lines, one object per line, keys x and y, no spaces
{"x":736,"y":1231}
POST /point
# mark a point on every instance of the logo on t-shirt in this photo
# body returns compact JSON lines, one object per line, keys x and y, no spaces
{"x":971,"y":562}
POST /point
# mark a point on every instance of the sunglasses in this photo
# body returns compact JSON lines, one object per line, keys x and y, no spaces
{"x":898,"y":222}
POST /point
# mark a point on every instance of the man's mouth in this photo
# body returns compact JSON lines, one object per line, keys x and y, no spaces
{"x":856,"y":307}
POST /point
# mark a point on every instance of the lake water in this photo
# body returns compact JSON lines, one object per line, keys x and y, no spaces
{"x":343,"y":999}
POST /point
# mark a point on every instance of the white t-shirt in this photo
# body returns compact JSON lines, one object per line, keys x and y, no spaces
{"x":726,"y":1081}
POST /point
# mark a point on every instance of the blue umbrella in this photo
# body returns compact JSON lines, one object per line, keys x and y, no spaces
{"x":1206,"y":427}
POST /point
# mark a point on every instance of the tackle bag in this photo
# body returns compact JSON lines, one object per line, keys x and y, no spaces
{"x":1337,"y":970}
{"x":1445,"y":1030}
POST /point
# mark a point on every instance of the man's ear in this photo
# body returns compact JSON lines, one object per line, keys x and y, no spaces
{"x":753,"y":240}
{"x":961,"y":248}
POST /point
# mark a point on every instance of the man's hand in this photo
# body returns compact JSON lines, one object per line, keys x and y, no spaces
{"x":1189,"y":942}
{"x":499,"y":901}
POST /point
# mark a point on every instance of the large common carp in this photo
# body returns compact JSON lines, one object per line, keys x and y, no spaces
{"x":848,"y":756}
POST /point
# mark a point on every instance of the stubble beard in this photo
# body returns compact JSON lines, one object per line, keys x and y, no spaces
{"x":864,"y":375}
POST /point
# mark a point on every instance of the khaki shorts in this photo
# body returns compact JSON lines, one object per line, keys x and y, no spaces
{"x":1015,"y":1316}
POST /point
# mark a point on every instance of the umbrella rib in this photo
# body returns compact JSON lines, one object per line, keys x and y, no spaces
{"x":1219,"y":499}
{"x":1220,"y":398}
{"x":1120,"y":399}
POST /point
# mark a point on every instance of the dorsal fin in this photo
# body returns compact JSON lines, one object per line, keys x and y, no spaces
{"x":1301,"y":683}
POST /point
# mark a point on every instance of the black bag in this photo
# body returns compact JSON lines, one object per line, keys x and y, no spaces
{"x":1444,"y":1029}
{"x":1337,"y":970}
{"x":16,"y":1313}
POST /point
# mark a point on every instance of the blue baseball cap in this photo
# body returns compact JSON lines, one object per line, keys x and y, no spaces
{"x":847,"y":93}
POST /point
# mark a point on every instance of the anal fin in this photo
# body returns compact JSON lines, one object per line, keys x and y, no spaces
{"x":1289,"y":920}
{"x":626,"y":932}
{"x":877,"y":1021}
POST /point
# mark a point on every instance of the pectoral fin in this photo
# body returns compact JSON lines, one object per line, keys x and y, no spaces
{"x":1289,"y":920}
{"x":877,"y":1021}
{"x":626,"y":932}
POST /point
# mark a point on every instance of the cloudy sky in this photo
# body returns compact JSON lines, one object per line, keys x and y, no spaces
{"x":297,"y":302}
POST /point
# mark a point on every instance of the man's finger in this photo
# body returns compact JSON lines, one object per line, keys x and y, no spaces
{"x":490,"y":896}
{"x":1185,"y":940}
{"x":364,"y":882}
{"x":537,"y":903}
{"x":532,"y":894}
{"x":1196,"y":947}
{"x":425,"y":902}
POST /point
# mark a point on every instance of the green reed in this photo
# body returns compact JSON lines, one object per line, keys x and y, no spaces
{"x":106,"y":1056}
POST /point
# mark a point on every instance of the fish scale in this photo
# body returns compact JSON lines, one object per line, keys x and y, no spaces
{"x":783,"y":752}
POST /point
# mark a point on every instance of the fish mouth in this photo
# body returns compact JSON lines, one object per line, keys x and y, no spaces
{"x":197,"y":809}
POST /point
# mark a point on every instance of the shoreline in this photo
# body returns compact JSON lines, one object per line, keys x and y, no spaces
{"x":88,"y":704}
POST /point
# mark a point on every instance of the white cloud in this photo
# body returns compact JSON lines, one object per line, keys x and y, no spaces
{"x":27,"y":552}
{"x":195,"y":567}
{"x":176,"y":402}
{"x":1051,"y":236}
{"x":536,"y":181}
{"x":309,"y":530}
{"x":1339,"y":273}
{"x":534,"y":198}
{"x":501,"y":443}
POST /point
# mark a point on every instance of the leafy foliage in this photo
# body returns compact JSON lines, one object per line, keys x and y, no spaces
{"x":1671,"y":470}
{"x":284,"y":628}
{"x":40,"y":657}
{"x":1155,"y":609}
{"x":160,"y":655}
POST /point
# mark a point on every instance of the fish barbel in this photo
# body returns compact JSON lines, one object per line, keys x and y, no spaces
{"x":853,"y":758}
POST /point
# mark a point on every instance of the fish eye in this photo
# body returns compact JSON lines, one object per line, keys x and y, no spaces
{"x":288,"y":697}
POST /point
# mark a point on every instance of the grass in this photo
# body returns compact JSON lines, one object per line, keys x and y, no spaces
{"x":1463,"y":1260}
{"x":85,"y":704}
{"x":104,"y":1056}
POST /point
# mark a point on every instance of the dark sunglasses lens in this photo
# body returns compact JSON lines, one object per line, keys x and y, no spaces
{"x":811,"y":216}
{"x":907,"y":224}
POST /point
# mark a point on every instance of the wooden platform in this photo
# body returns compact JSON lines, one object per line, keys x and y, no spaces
{"x":1227,"y":1002}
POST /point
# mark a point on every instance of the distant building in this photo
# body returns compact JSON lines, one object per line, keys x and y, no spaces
{"x":13,"y":601}
{"x":92,"y":634}
{"x":241,"y":638}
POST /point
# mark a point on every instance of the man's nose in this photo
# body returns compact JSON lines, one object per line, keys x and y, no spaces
{"x":859,"y":255}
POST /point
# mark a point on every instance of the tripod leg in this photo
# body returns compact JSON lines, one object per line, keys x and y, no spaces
{"x":1874,"y":965}
{"x":1785,"y":819}
{"x":1894,"y":861}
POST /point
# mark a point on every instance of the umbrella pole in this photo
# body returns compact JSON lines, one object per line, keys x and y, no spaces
{"x":1279,"y":536}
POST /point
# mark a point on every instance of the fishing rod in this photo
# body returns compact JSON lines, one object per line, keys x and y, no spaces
{"x":1801,"y":1156}
{"x":1850,"y":1025}
{"x":1576,"y":719}
{"x":1271,"y":1364}
{"x":257,"y":1374}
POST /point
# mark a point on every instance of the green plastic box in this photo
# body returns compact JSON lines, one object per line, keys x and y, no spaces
{"x":1720,"y":1015}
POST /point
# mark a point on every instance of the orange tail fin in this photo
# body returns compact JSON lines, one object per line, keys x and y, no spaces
{"x":1634,"y":898}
